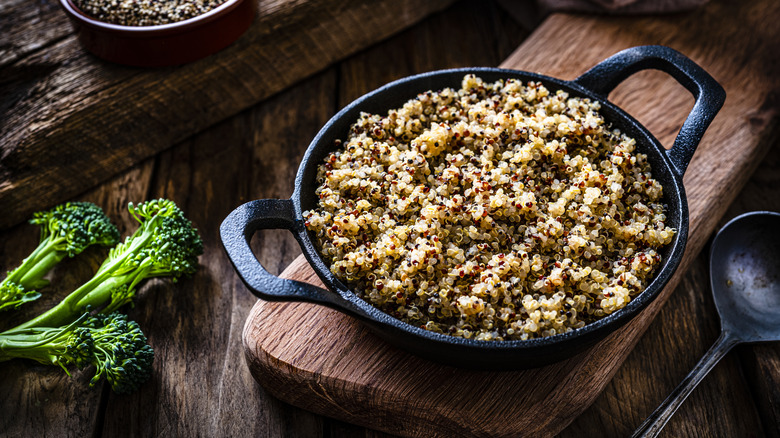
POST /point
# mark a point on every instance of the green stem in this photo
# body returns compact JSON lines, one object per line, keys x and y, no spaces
{"x":137,"y":241}
{"x":101,"y":295}
{"x":41,"y":348}
{"x":33,"y":279}
{"x":40,"y":251}
{"x":99,"y":289}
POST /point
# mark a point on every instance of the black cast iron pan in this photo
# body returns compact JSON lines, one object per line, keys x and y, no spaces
{"x":668,"y":168}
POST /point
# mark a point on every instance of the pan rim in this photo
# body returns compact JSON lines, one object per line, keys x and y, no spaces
{"x":595,"y":330}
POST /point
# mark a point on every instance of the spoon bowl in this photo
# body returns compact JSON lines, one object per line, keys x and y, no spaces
{"x":745,"y":276}
{"x":745,"y":281}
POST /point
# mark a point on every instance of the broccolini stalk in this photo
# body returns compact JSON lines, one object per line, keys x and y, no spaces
{"x":164,"y":245}
{"x":115,"y":346}
{"x":66,"y":230}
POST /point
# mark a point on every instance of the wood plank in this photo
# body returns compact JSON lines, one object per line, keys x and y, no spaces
{"x":44,"y":24}
{"x":491,"y":37}
{"x":281,"y":419}
{"x":761,"y":363}
{"x":199,"y":382}
{"x":63,"y":108}
{"x":365,"y":381}
{"x":252,"y":155}
{"x":684,"y":329}
{"x":39,"y":400}
{"x":201,"y":385}
{"x":676,"y":340}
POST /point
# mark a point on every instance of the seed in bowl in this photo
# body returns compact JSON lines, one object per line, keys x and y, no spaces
{"x":497,"y":211}
{"x":145,"y":12}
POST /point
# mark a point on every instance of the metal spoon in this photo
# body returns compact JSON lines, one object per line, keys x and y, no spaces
{"x":745,"y":279}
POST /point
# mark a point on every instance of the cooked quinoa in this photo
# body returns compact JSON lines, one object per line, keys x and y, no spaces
{"x":494,"y":212}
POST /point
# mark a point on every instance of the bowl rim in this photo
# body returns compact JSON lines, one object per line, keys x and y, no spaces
{"x":599,"y":328}
{"x":148,"y":31}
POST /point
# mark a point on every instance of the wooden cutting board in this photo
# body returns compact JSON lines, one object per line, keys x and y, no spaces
{"x":323,"y":361}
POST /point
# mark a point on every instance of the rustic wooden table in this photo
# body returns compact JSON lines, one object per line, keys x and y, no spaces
{"x":201,"y":385}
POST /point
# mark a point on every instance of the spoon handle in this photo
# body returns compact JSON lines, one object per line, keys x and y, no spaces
{"x":657,"y":420}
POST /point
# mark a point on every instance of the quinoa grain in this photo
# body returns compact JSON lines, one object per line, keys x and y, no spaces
{"x":145,"y":12}
{"x":497,"y":211}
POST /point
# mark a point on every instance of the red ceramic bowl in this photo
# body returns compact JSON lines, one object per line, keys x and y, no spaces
{"x":166,"y":44}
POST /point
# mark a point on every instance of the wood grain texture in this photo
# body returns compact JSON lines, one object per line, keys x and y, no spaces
{"x":254,"y":155}
{"x":685,"y":328}
{"x":205,"y":314}
{"x":329,"y":364}
{"x":63,"y":109}
{"x":745,"y":383}
{"x":43,"y":25}
{"x":40,"y":400}
{"x":761,"y":363}
{"x":200,"y":385}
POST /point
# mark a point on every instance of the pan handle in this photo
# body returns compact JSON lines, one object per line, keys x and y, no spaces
{"x":236,"y":231}
{"x":604,"y":77}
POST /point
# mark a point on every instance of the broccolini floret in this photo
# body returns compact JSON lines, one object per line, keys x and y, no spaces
{"x":164,"y":245}
{"x":115,"y":346}
{"x":13,"y":295}
{"x":66,"y":230}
